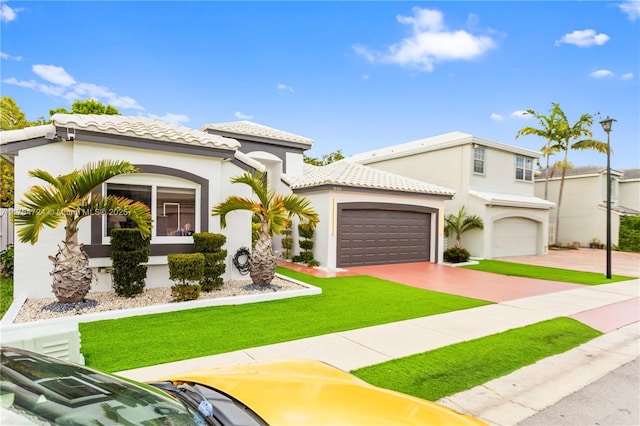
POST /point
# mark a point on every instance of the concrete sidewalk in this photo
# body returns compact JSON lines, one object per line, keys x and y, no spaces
{"x":504,"y":401}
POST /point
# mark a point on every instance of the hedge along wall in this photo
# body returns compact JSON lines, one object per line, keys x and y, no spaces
{"x":629,"y":233}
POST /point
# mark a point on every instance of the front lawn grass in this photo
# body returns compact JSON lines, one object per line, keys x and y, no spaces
{"x":6,"y":294}
{"x":346,"y":303}
{"x":544,"y":273}
{"x":455,"y":368}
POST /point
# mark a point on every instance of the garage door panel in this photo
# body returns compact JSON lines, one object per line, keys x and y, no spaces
{"x":515,"y":236}
{"x":373,"y":237}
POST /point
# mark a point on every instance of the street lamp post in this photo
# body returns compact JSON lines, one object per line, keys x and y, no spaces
{"x":606,"y":126}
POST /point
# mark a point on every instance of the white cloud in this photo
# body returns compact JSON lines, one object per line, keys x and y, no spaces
{"x":284,"y":88}
{"x":64,"y":86}
{"x":242,"y":116}
{"x":631,"y":8}
{"x":628,"y":76}
{"x":601,"y":74}
{"x":6,"y":56}
{"x":496,"y":117}
{"x":584,"y":38}
{"x":171,"y":118}
{"x":431,"y":42}
{"x":8,"y":14}
{"x":54,"y":74}
{"x":519,"y":114}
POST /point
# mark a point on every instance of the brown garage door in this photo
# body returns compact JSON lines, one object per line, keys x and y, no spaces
{"x":382,"y":236}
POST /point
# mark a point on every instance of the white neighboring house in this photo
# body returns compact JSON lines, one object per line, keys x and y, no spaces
{"x":584,"y":202}
{"x":367,"y":216}
{"x":491,"y":179}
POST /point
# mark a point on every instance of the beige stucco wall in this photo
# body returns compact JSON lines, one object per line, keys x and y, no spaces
{"x":32,"y":265}
{"x":630,"y":194}
{"x":582,"y":215}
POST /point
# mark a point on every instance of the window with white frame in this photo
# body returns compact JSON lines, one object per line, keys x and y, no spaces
{"x":524,"y":168}
{"x":174,"y":207}
{"x":478,"y":159}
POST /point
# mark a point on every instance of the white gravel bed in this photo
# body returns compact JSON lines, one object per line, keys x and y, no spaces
{"x":41,"y":309}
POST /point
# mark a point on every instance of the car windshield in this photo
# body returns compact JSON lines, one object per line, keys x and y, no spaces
{"x":47,"y":390}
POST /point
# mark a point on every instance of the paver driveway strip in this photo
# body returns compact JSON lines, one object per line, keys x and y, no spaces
{"x":463,"y":282}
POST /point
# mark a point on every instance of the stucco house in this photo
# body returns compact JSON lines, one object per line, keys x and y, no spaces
{"x":584,"y":202}
{"x":491,"y":179}
{"x":184,"y":172}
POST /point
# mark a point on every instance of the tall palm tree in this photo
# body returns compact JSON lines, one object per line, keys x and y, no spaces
{"x":566,"y":134}
{"x":548,"y":130}
{"x":68,"y":198}
{"x":273,"y":212}
{"x":460,"y":223}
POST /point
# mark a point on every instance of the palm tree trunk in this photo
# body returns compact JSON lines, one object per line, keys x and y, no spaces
{"x":564,"y":172}
{"x":71,"y":274}
{"x":263,"y":261}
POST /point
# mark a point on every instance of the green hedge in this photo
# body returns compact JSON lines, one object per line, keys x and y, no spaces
{"x":210,"y":245}
{"x":185,"y":268}
{"x":629,"y":233}
{"x":129,"y":252}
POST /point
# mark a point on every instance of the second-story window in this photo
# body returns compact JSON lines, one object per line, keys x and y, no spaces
{"x":478,"y":160}
{"x":524,"y":169}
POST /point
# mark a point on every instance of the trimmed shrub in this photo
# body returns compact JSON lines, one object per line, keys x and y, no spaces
{"x":185,"y":269}
{"x":208,"y":242}
{"x":306,"y":230}
{"x":629,"y":233}
{"x":6,"y":262}
{"x":287,"y":241}
{"x":129,"y":253}
{"x":210,"y":245}
{"x":456,"y":255}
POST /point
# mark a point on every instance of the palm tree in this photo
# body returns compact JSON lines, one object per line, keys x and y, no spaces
{"x":548,"y":130}
{"x":273,"y":212}
{"x":567,"y":133}
{"x":69,"y":199}
{"x":560,"y":134}
{"x":461,"y":223}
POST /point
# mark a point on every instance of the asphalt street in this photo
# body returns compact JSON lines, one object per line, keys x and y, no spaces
{"x":612,"y":400}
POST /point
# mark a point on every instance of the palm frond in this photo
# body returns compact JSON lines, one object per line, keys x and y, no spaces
{"x":233,"y":203}
{"x":135,"y":210}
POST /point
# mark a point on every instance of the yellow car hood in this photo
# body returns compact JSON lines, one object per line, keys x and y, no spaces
{"x":306,"y":392}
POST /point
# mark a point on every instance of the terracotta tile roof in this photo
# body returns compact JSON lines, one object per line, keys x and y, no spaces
{"x":248,"y":128}
{"x":143,"y":127}
{"x":346,"y":173}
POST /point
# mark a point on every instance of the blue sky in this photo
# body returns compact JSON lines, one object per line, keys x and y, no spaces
{"x":354,"y":76}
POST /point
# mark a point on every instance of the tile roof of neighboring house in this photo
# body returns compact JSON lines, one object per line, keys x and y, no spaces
{"x":621,"y":209}
{"x":629,"y":174}
{"x":248,"y":128}
{"x":576,"y":171}
{"x":434,"y":143}
{"x":142,"y":127}
{"x":346,"y":173}
{"x":511,"y":200}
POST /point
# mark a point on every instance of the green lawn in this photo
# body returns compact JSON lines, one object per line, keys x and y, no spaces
{"x":6,"y":294}
{"x":451,"y":369}
{"x":544,"y":273}
{"x":345,"y":303}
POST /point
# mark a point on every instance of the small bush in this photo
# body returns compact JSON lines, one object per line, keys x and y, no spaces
{"x":129,"y":251}
{"x":186,"y":269}
{"x":210,"y":245}
{"x":6,"y":261}
{"x":456,"y":255}
{"x":306,"y":245}
{"x":306,"y":230}
{"x":208,"y":242}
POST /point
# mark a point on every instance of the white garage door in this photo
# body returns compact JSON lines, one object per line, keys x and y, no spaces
{"x":515,"y":236}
